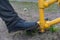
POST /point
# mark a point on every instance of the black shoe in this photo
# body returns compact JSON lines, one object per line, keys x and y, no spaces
{"x":24,"y":26}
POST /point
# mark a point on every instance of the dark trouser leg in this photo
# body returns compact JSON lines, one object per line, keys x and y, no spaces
{"x":11,"y":18}
{"x":8,"y":14}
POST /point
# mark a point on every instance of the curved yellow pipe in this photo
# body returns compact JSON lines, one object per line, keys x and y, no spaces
{"x":48,"y":3}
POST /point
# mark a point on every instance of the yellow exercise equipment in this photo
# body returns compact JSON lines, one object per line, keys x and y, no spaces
{"x":42,"y":4}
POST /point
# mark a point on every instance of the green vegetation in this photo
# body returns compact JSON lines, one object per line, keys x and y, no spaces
{"x":52,"y":29}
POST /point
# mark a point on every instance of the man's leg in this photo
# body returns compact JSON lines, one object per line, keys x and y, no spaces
{"x":11,"y":18}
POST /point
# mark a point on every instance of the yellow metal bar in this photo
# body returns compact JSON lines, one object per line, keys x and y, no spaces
{"x":48,"y":3}
{"x":41,"y":15}
{"x":49,"y":23}
{"x":42,"y":4}
{"x":59,"y":3}
{"x":57,"y":20}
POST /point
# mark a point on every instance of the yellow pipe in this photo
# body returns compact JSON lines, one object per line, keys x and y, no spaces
{"x":40,"y":3}
{"x":59,"y":3}
{"x":41,"y":15}
{"x":45,"y":24}
{"x":48,"y":3}
{"x":49,"y":23}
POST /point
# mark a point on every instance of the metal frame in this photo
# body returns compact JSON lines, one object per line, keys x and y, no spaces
{"x":42,"y":4}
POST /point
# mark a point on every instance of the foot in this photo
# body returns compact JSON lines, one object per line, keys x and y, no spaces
{"x":24,"y":26}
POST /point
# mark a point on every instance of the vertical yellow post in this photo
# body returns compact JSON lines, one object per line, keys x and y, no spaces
{"x":41,"y":15}
{"x":59,"y":3}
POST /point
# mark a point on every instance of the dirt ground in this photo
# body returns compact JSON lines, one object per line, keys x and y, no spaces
{"x":29,"y":12}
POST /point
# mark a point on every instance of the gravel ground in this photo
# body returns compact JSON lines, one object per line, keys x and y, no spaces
{"x":29,"y":12}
